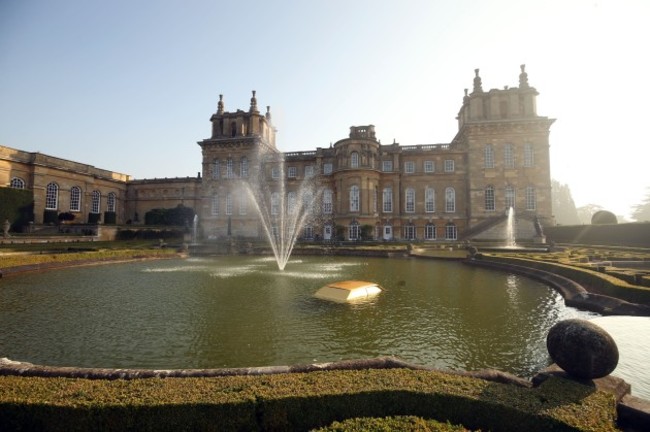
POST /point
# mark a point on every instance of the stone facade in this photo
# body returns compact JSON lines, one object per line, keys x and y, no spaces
{"x":462,"y":189}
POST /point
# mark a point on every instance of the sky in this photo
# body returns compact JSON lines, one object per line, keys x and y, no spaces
{"x":130,"y":86}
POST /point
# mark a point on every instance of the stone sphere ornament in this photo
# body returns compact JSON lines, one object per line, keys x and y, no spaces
{"x":583,"y":349}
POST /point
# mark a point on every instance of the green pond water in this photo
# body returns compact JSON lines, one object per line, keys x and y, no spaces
{"x":242,"y":311}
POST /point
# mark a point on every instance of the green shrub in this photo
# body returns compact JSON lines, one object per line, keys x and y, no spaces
{"x":398,"y":423}
{"x":177,"y":216}
{"x":110,"y":218}
{"x":50,"y":216}
{"x":17,"y":207}
{"x":94,"y":218}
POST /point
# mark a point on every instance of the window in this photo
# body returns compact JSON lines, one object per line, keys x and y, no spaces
{"x":409,"y":232}
{"x":309,"y":171}
{"x":353,"y":231}
{"x":17,"y":183}
{"x":215,"y":205}
{"x":387,"y":166}
{"x":292,"y":172}
{"x":354,"y":160}
{"x":275,"y":172}
{"x":327,"y":168}
{"x":489,"y":198}
{"x":510,"y":197}
{"x":488,"y":161}
{"x":451,"y":232}
{"x":410,"y":201}
{"x":374,"y":200}
{"x":110,"y":202}
{"x":509,"y":156}
{"x":450,"y":200}
{"x":308,"y":201}
{"x":449,"y":165}
{"x":75,"y":199}
{"x":429,"y":167}
{"x":291,"y":202}
{"x":275,"y":203}
{"x":429,"y":200}
{"x":531,"y":198}
{"x":215,"y":169}
{"x":529,"y":155}
{"x":243,"y":204}
{"x":388,"y":200}
{"x":429,"y":232}
{"x":229,"y":204}
{"x":409,"y":167}
{"x":327,"y":201}
{"x":229,"y":171}
{"x":52,"y":196}
{"x":354,"y":198}
{"x":308,"y":232}
{"x":243,"y":167}
{"x":95,"y":201}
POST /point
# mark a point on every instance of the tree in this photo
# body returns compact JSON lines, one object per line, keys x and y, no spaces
{"x":564,"y":208}
{"x":641,"y":212}
{"x":586,"y":212}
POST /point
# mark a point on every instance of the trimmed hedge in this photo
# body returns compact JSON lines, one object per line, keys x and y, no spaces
{"x":298,"y":402}
{"x":17,"y":207}
{"x":398,"y":423}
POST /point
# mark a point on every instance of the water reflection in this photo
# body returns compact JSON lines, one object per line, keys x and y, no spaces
{"x":243,"y":311}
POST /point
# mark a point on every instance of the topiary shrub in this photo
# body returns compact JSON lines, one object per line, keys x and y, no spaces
{"x":94,"y":218}
{"x":66,"y":217}
{"x":603,"y":217}
{"x":50,"y":216}
{"x":17,"y":207}
{"x":110,"y":218}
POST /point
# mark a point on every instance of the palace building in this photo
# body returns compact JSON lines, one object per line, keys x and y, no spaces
{"x":362,"y":188}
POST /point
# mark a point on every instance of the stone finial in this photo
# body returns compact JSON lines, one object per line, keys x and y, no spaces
{"x":254,"y":103}
{"x":466,"y":97}
{"x":478,"y":88}
{"x":523,"y":78}
{"x":220,"y":105}
{"x":268,"y":113}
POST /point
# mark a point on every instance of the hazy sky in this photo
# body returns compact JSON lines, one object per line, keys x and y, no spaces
{"x":130,"y":85}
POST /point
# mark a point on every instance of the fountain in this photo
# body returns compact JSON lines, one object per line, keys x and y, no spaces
{"x":510,"y":229}
{"x":195,"y":226}
{"x":282,"y":213}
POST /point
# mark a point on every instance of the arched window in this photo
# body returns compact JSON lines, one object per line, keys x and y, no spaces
{"x":243,"y":167}
{"x":354,"y":160}
{"x":451,"y":232}
{"x":275,"y":203}
{"x":529,"y":155}
{"x":531,"y":198}
{"x":308,"y":232}
{"x":450,"y":200}
{"x":52,"y":196}
{"x":110,"y":202}
{"x":291,"y":202}
{"x":409,"y":231}
{"x":354,"y":198}
{"x":510,"y":197}
{"x":215,"y":205}
{"x":409,"y":204}
{"x":216,"y":169}
{"x":17,"y":183}
{"x":429,"y":200}
{"x":75,"y":199}
{"x":489,"y":156}
{"x":353,"y":230}
{"x":509,"y":156}
{"x":489,"y":198}
{"x":388,"y":200}
{"x":95,"y":201}
{"x":429,"y":231}
{"x":327,"y":201}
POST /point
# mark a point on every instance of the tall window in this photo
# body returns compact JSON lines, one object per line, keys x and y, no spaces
{"x":387,"y":166}
{"x":410,"y":201}
{"x":451,"y":232}
{"x":529,"y":155}
{"x":489,"y":198}
{"x":489,"y":156}
{"x":308,"y":232}
{"x":110,"y":202}
{"x":409,"y":167}
{"x":292,"y":172}
{"x":429,"y":232}
{"x":531,"y":198}
{"x":354,"y":198}
{"x":374,"y":200}
{"x":95,"y":201}
{"x":275,"y":172}
{"x":308,"y":201}
{"x":216,"y":169}
{"x":510,"y":197}
{"x":327,"y":201}
{"x":215,"y":205}
{"x":75,"y":199}
{"x":229,"y":204}
{"x":354,"y":160}
{"x":52,"y":196}
{"x":429,"y":200}
{"x":243,"y":167}
{"x":327,"y":168}
{"x":388,"y":200}
{"x":243,"y":204}
{"x":449,"y":165}
{"x":309,"y":171}
{"x":291,"y":202}
{"x":429,"y":167}
{"x":450,"y":200}
{"x":353,"y":231}
{"x":275,"y":203}
{"x":509,"y":156}
{"x":17,"y":183}
{"x":230,"y":173}
{"x":409,"y":232}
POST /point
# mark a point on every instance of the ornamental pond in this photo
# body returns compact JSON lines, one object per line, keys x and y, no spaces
{"x":235,"y":311}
